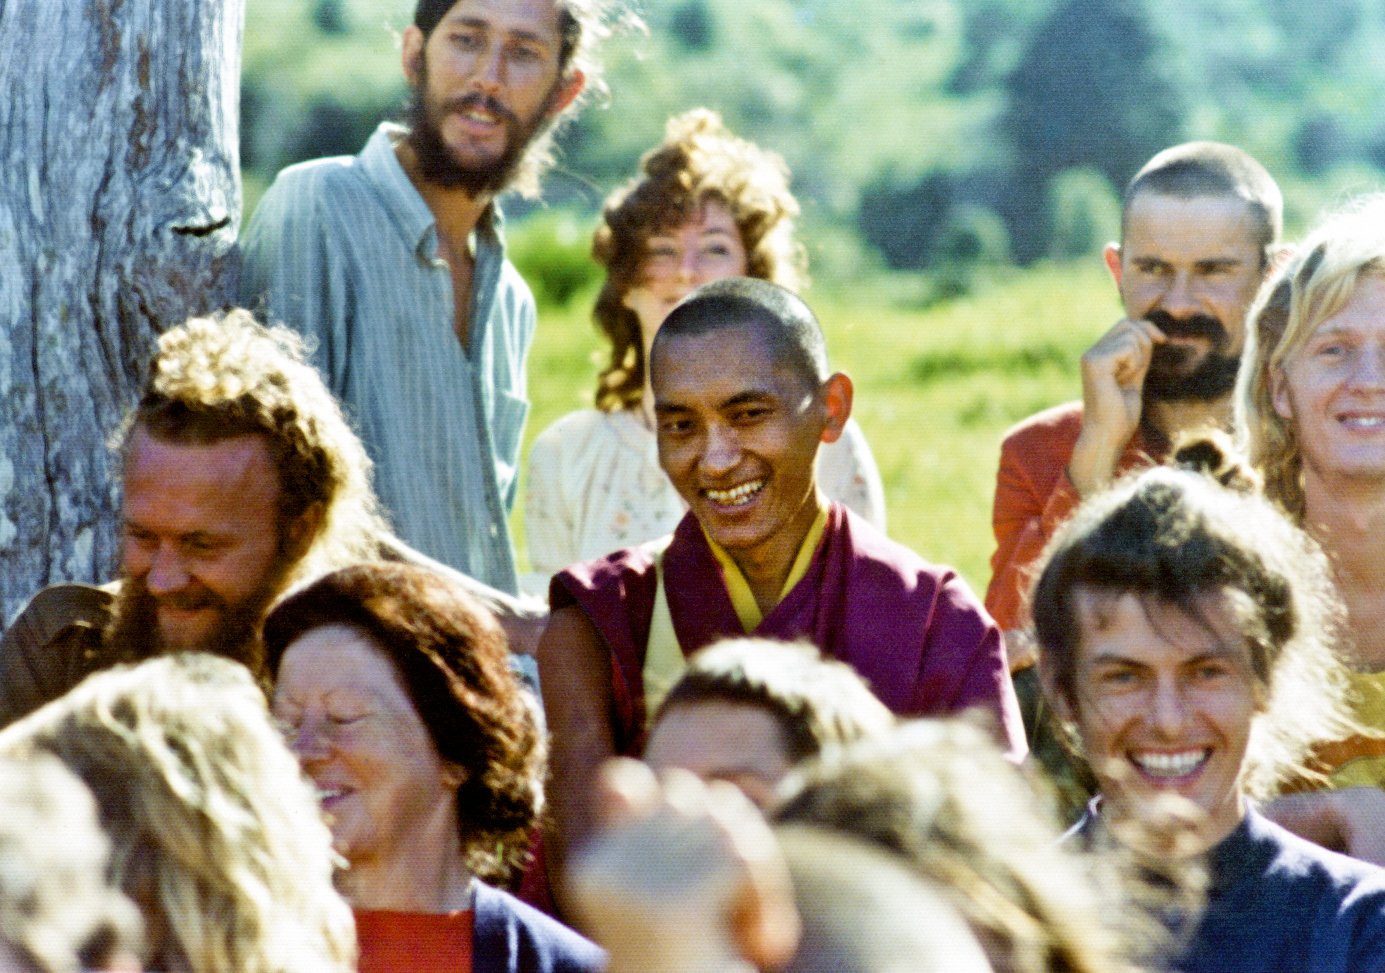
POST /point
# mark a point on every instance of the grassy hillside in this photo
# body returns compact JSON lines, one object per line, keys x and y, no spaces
{"x":936,"y":388}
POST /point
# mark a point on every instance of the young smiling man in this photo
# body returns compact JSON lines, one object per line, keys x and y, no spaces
{"x":394,"y":262}
{"x":1311,"y":407}
{"x":744,"y":399}
{"x":1186,"y":636}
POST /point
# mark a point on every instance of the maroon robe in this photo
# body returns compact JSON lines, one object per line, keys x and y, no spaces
{"x":914,"y":631}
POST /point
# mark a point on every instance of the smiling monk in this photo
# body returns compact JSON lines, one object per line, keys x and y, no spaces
{"x":744,"y":399}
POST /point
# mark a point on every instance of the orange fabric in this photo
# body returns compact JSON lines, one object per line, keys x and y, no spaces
{"x":1336,"y":755}
{"x":1033,"y":497}
{"x":1357,"y":761}
{"x":413,"y":942}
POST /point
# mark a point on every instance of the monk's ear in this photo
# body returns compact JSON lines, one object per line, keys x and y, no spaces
{"x":836,"y":394}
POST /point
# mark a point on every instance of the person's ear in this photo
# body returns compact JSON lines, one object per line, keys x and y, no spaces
{"x":1053,"y":693}
{"x":567,"y":93}
{"x":1111,"y":253}
{"x":837,"y":394}
{"x":411,"y":54}
{"x":302,"y":531}
{"x":1279,"y":393}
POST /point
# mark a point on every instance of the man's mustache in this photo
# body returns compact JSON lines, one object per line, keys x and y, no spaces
{"x":1197,"y":326}
{"x":188,"y":600}
{"x":484,"y":102}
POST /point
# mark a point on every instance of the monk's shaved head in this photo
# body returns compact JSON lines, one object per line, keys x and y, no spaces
{"x":786,"y":324}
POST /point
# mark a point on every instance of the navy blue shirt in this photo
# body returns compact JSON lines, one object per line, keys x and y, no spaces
{"x":512,"y":937}
{"x":1277,"y":903}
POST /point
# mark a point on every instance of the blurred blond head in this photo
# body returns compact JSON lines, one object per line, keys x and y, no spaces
{"x":940,"y":794}
{"x":58,"y":911}
{"x":215,"y":834}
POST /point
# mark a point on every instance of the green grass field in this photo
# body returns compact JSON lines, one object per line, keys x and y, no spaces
{"x":935,"y":389}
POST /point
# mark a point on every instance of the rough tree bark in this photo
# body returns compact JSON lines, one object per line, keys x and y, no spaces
{"x":119,"y":199}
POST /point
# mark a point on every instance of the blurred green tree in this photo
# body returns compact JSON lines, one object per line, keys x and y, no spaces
{"x":1091,"y":89}
{"x":330,"y":17}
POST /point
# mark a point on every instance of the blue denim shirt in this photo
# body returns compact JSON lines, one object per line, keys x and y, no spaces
{"x":345,"y":251}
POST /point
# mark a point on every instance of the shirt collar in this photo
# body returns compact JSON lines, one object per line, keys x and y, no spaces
{"x":410,"y":213}
{"x":742,"y":598}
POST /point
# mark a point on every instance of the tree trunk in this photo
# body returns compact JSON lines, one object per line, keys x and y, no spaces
{"x":119,"y":204}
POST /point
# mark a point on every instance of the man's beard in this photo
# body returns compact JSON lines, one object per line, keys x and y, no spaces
{"x":133,"y":633}
{"x":437,"y":164}
{"x":1169,"y":378}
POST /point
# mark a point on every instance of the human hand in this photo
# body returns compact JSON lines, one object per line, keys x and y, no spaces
{"x":1113,"y":375}
{"x":685,"y":877}
{"x":522,"y":617}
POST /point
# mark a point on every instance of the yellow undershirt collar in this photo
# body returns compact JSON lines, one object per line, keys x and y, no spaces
{"x":742,"y":598}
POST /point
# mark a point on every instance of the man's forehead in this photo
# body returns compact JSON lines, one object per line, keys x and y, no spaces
{"x":745,"y":356}
{"x":250,"y":448}
{"x":1203,"y":628}
{"x":535,"y":17}
{"x":1190,"y":224}
{"x":731,"y":735}
{"x":238,"y":466}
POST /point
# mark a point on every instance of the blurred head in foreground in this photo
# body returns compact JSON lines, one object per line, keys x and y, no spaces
{"x":746,"y":710}
{"x":687,"y":874}
{"x":58,"y":911}
{"x":939,"y":794}
{"x":214,"y":833}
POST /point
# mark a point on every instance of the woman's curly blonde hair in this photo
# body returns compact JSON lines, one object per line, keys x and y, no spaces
{"x":699,"y":160}
{"x":219,"y":377}
{"x":215,"y":833}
